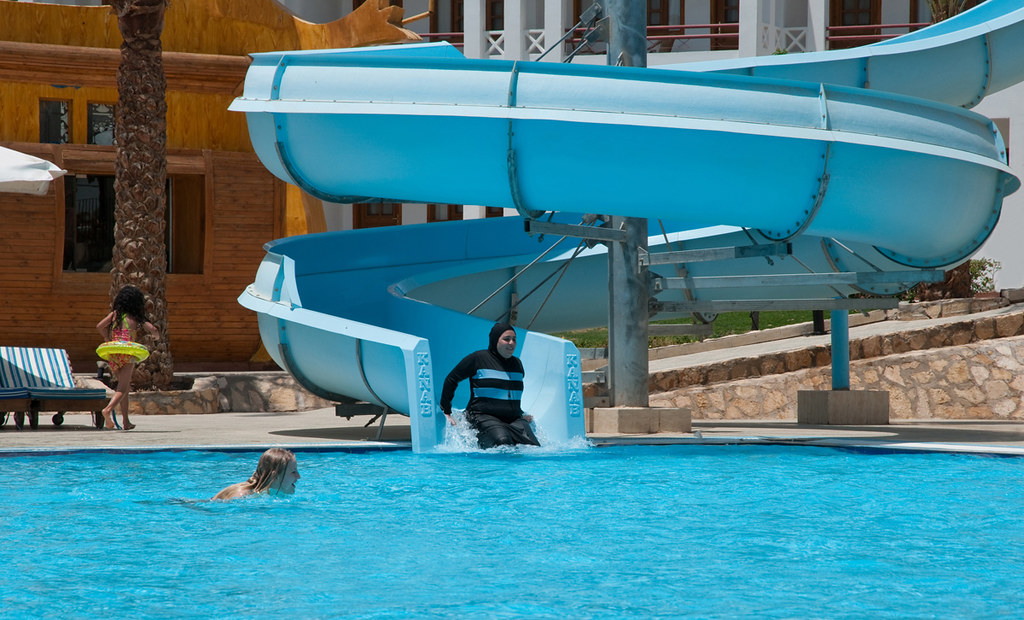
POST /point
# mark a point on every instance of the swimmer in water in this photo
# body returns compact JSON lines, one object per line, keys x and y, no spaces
{"x":276,"y":473}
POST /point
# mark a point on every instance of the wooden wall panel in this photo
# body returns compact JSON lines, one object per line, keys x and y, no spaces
{"x":189,"y":26}
{"x":43,"y":306}
{"x":70,"y":52}
{"x":226,"y":27}
{"x":204,"y":121}
{"x":193,"y":120}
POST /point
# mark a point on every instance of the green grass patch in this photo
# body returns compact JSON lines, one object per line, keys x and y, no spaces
{"x":726,"y":323}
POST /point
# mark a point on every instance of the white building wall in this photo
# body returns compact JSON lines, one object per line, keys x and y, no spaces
{"x":414,"y":213}
{"x":1005,"y":244}
{"x":338,"y":216}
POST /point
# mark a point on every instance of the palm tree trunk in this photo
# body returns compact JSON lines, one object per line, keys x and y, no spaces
{"x":140,"y":131}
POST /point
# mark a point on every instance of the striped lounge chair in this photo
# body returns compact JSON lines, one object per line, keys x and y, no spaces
{"x":37,"y":379}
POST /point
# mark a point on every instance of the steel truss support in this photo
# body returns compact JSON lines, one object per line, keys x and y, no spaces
{"x":853,"y":278}
{"x":750,"y":305}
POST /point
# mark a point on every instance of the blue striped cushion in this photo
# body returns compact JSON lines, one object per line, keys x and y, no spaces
{"x":66,"y":393}
{"x":9,"y":393}
{"x":35,"y":367}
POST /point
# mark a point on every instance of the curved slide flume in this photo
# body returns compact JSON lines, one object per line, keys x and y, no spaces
{"x":855,"y":180}
{"x":958,"y":61}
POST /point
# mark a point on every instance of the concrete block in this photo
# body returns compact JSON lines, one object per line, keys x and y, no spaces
{"x":606,"y":420}
{"x":674,"y":420}
{"x":640,"y":420}
{"x":842,"y":407}
{"x":1013,"y":295}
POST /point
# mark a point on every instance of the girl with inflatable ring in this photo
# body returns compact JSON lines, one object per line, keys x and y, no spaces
{"x":121,"y":350}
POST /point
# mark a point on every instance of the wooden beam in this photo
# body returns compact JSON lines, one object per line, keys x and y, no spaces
{"x":69,"y":65}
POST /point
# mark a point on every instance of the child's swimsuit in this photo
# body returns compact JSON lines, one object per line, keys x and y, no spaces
{"x":121,"y":334}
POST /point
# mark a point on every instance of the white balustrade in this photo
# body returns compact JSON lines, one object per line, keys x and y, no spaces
{"x":495,"y":42}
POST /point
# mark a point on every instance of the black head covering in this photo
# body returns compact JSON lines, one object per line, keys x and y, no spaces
{"x":496,"y":332}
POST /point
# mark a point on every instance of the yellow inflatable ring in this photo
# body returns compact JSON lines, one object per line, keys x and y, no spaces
{"x":122,"y":347}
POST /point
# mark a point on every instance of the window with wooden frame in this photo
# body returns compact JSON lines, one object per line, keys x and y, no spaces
{"x":89,"y":201}
{"x":494,"y":15}
{"x":725,"y":12}
{"x":458,"y":15}
{"x":374,"y":214}
{"x":443,"y":212}
{"x":849,"y":13}
{"x":100,"y":124}
{"x":658,"y":13}
{"x":54,"y":121}
{"x":660,"y":17}
{"x":578,"y":6}
{"x":449,"y":212}
{"x":494,"y":18}
{"x":185,"y":231}
{"x":88,"y":222}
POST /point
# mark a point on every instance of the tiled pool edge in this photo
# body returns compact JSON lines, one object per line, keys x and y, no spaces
{"x":864,"y":445}
{"x":366,"y":447}
{"x":349,"y":447}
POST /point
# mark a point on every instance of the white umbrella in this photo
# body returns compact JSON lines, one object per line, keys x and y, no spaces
{"x":25,"y":174}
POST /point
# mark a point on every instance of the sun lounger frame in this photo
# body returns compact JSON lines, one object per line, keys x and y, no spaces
{"x":34,"y":379}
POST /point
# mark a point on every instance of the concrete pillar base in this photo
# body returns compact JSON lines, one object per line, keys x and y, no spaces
{"x":842,"y":407}
{"x":638,"y":420}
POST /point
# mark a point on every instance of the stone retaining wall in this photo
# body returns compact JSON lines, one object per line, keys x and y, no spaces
{"x":941,"y":374}
{"x":977,"y":381}
{"x":969,"y":330}
{"x":242,"y":391}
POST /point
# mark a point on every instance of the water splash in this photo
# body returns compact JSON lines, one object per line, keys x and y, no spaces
{"x":462,"y":438}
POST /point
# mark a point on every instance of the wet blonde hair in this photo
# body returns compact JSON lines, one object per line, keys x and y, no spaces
{"x":269,"y":469}
{"x":271,"y":466}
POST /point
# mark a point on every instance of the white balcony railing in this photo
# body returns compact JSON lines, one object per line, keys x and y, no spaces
{"x":495,"y":43}
{"x":534,"y":42}
{"x":789,"y":40}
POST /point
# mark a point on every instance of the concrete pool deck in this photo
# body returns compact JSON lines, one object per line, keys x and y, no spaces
{"x":321,"y":429}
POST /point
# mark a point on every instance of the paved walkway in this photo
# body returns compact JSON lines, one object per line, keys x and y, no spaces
{"x":320,"y":428}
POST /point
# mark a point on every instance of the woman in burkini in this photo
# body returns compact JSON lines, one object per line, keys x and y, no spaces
{"x":276,"y":473}
{"x":122,"y":324}
{"x":496,"y":388}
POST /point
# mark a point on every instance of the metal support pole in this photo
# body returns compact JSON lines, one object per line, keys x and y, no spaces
{"x":627,"y":34}
{"x":627,"y":317}
{"x":627,"y":280}
{"x":818,"y":317}
{"x":840,"y":350}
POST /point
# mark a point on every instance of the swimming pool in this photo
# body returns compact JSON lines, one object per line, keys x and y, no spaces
{"x":655,"y":531}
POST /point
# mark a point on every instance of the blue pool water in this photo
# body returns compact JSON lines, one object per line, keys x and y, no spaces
{"x":657,"y":531}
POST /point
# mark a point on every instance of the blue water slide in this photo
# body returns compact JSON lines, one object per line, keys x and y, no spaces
{"x":958,"y":61}
{"x":791,"y":151}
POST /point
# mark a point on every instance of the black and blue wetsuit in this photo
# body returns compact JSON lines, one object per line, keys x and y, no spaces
{"x":496,"y":389}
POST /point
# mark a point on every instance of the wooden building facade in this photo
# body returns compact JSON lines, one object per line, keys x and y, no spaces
{"x":57,"y":96}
